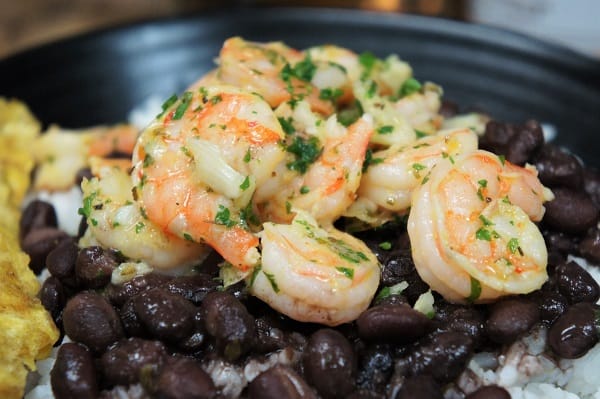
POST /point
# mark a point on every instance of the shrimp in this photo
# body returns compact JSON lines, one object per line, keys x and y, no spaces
{"x":116,"y":221}
{"x":314,"y":275}
{"x":394,"y":173}
{"x":197,"y":165}
{"x":61,"y":153}
{"x":328,"y":186}
{"x":275,"y":71}
{"x":471,"y":229}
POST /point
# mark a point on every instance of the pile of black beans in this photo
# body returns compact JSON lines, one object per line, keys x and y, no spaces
{"x":160,"y":331}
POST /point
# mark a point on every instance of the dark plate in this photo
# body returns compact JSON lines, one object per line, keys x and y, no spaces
{"x":99,"y":77}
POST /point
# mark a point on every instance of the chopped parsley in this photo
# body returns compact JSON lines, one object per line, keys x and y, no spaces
{"x":148,"y":160}
{"x":420,"y":134}
{"x":485,"y":221}
{"x":410,"y":86}
{"x":271,"y":279}
{"x":369,"y":160}
{"x":247,"y":216}
{"x":223,"y":217}
{"x":86,"y":210}
{"x":386,"y":245}
{"x":304,"y":190}
{"x":167,"y":104}
{"x":286,"y":125}
{"x":216,"y":99}
{"x":247,"y":156}
{"x":417,"y":168}
{"x":188,"y":237}
{"x":139,"y":226}
{"x":386,"y":129}
{"x":306,"y":152}
{"x":513,"y":246}
{"x":351,"y":114}
{"x":486,"y":235}
{"x":303,"y":70}
{"x":368,"y":61}
{"x":346,"y":271}
{"x":475,"y":290}
{"x":502,"y":159}
{"x":482,"y":184}
{"x":246,"y":183}
{"x":372,"y":90}
{"x":186,"y":99}
{"x":330,"y":94}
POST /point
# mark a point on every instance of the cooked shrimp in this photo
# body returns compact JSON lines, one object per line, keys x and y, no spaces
{"x":116,"y":221}
{"x":61,"y":153}
{"x":275,"y":71}
{"x":197,"y":165}
{"x":328,"y":185}
{"x":314,"y":275}
{"x":395,"y":172}
{"x":421,"y":109}
{"x":471,"y":229}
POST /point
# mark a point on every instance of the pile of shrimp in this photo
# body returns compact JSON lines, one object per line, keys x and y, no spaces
{"x":261,"y":156}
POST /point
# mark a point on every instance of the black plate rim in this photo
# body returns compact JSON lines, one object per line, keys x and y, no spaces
{"x":481,"y":32}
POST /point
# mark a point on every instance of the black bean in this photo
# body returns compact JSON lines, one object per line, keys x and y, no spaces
{"x":393,"y":299}
{"x":591,"y":184}
{"x":61,"y":261}
{"x":330,"y":363}
{"x":575,"y":332}
{"x":393,"y":323}
{"x":444,"y":357}
{"x":420,"y":387}
{"x":398,"y":266}
{"x":589,"y":247}
{"x":193,"y":288}
{"x":230,"y":323}
{"x":164,"y":315}
{"x":489,"y":392}
{"x":119,"y":294}
{"x":576,"y":284}
{"x":560,"y":242}
{"x":448,"y":109}
{"x":52,"y":296}
{"x":467,"y":320}
{"x":73,"y":374}
{"x":183,"y":378}
{"x":527,"y":141}
{"x":38,"y":243}
{"x":552,"y":306}
{"x":38,"y":214}
{"x":510,"y":318}
{"x":89,"y":318}
{"x":122,"y":363}
{"x":269,"y":336}
{"x":279,"y":382}
{"x":94,"y":267}
{"x":376,"y":365}
{"x":557,"y":167}
{"x":130,"y":320}
{"x":193,"y":343}
{"x":365,"y":394}
{"x":571,"y":211}
{"x":496,"y":137}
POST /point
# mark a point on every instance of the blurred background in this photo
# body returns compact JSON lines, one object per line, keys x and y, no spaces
{"x":27,"y":23}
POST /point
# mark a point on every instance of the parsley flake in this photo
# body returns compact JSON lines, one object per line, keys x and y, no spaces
{"x":346,"y":271}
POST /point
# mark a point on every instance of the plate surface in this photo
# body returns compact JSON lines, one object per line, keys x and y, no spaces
{"x":99,"y":77}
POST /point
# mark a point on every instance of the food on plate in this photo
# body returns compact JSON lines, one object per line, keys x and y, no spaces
{"x":315,"y":222}
{"x":27,"y":331}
